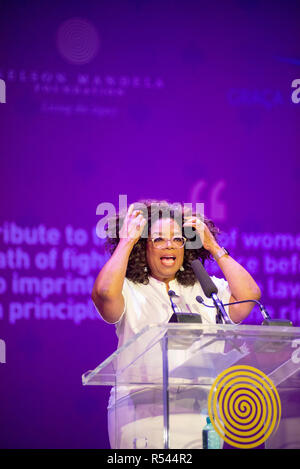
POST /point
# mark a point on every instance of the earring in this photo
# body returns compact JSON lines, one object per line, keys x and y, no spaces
{"x":181,"y":269}
{"x":145,"y":269}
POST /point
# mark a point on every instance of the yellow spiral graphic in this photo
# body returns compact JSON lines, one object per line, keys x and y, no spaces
{"x":244,"y":406}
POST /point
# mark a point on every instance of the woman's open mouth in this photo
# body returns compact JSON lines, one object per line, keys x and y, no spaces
{"x":168,"y":261}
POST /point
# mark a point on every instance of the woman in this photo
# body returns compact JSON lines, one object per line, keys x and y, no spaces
{"x":150,"y":257}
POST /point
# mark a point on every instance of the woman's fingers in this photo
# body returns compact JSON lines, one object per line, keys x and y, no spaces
{"x":194,"y":222}
{"x":139,"y":220}
{"x":130,"y":209}
{"x":135,"y":213}
{"x":134,"y":224}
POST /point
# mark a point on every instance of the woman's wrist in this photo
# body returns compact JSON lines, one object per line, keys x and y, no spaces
{"x":213,"y":249}
{"x":126,"y":243}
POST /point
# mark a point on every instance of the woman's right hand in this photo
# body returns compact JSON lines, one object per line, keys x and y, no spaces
{"x":107,"y":291}
{"x":133,"y":225}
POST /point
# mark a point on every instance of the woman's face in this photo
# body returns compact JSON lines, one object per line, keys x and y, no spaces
{"x":164,"y":263}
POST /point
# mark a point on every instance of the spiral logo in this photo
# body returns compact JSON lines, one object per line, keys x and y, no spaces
{"x":244,"y":406}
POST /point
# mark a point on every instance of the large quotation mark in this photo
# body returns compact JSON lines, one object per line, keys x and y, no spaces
{"x":217,"y":207}
{"x":244,"y":406}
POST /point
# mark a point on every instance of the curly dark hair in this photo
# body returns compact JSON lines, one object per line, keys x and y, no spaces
{"x":153,"y":210}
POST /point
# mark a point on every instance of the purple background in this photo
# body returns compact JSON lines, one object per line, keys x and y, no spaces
{"x":187,"y":93}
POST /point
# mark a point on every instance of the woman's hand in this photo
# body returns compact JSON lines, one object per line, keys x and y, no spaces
{"x":208,"y":241}
{"x":133,"y":225}
{"x":241,"y":284}
{"x":107,"y":291}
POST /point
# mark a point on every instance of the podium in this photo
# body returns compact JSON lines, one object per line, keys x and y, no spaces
{"x":168,"y":378}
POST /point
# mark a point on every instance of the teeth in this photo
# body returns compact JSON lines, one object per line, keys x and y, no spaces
{"x":168,"y":261}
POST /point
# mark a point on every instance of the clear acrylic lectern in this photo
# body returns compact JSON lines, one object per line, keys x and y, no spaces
{"x":168,"y":378}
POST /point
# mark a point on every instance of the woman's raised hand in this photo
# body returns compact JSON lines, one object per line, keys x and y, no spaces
{"x":207,"y":238}
{"x":133,"y":225}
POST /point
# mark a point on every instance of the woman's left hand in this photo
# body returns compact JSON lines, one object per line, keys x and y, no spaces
{"x":208,"y":241}
{"x":241,"y":284}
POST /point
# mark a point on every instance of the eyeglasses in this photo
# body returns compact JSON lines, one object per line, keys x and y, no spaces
{"x":161,"y":243}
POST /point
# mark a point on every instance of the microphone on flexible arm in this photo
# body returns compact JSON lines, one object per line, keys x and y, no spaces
{"x":263,"y":310}
{"x":179,"y":315}
{"x":268,"y":321}
{"x":210,"y":290}
{"x":175,"y":308}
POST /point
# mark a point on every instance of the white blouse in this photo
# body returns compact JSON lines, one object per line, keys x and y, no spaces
{"x":150,"y":304}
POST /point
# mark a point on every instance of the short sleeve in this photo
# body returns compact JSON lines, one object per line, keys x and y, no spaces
{"x":125,"y":294}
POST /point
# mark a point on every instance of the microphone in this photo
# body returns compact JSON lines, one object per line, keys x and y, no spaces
{"x":178,"y":315}
{"x":268,"y":321}
{"x":172,"y":295}
{"x":175,"y":308}
{"x":263,"y":310}
{"x":210,"y":290}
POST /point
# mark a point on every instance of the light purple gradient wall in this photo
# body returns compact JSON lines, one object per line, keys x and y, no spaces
{"x":185,"y":101}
